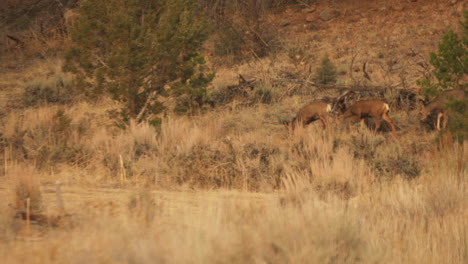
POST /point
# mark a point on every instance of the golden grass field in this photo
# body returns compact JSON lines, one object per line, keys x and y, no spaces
{"x":230,"y":184}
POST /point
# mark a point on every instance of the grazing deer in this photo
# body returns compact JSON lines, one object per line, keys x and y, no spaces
{"x":310,"y":113}
{"x":369,"y":108}
{"x":339,"y":103}
{"x":438,"y":104}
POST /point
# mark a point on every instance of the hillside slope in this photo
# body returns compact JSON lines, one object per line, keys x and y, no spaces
{"x":392,"y":38}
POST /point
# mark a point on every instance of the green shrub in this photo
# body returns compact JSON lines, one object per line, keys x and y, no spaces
{"x":450,"y":62}
{"x":364,"y":145}
{"x":54,"y":142}
{"x":55,"y":90}
{"x":451,"y":66}
{"x":245,"y":36}
{"x":458,"y":125}
{"x":49,"y":141}
{"x":326,"y":73}
{"x":135,"y":49}
{"x":264,"y":96}
{"x":399,"y":164}
{"x":385,"y":160}
{"x":229,"y":41}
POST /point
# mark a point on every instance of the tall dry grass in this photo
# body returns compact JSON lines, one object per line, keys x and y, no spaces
{"x":419,"y":221}
{"x":341,"y":198}
{"x":232,"y":186}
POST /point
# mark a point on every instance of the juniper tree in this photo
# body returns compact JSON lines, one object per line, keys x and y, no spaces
{"x":326,"y":72}
{"x":135,"y":49}
{"x":450,"y":71}
{"x":450,"y":62}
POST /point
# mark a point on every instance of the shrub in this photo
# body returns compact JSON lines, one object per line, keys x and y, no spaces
{"x":264,"y":96}
{"x":135,"y":49}
{"x":396,"y":165}
{"x":385,"y":160}
{"x":47,"y":136}
{"x":296,"y":48}
{"x":244,"y":35}
{"x":56,"y":141}
{"x":229,"y":41}
{"x":55,"y":90}
{"x":451,"y":65}
{"x":364,"y":146}
{"x":26,"y":187}
{"x":326,"y":73}
{"x":458,"y":125}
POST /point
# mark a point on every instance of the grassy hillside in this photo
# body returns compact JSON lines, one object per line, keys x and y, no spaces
{"x":229,"y":184}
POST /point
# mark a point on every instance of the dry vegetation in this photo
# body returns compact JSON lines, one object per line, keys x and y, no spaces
{"x":231,"y":185}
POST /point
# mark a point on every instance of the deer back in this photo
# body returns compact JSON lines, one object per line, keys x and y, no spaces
{"x":313,"y":111}
{"x":439,"y":102}
{"x":369,"y":107}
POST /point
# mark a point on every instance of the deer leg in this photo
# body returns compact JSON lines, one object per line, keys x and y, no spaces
{"x":377,"y":124}
{"x":445,"y":121}
{"x":326,"y":121}
{"x":322,"y":123}
{"x":342,"y":118}
{"x":439,"y":116}
{"x":329,"y":125}
{"x":390,"y":122}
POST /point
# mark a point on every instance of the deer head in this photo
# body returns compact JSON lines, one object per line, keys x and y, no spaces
{"x":339,"y":103}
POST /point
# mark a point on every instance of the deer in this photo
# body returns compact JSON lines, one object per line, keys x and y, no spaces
{"x":369,"y":108}
{"x":309,"y":113}
{"x":439,"y":104}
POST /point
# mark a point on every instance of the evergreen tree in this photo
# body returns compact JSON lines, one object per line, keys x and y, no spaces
{"x":450,"y":71}
{"x":450,"y":62}
{"x":326,"y":73}
{"x":135,"y":49}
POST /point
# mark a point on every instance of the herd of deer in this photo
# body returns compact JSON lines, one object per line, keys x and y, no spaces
{"x":375,"y":108}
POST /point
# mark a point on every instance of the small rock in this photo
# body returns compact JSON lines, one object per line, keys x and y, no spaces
{"x":354,"y":19}
{"x":328,"y":14}
{"x":316,"y":37}
{"x":309,"y":10}
{"x":284,"y":22}
{"x":398,"y":8}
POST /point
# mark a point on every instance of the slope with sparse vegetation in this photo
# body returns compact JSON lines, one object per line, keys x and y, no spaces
{"x":209,"y":174}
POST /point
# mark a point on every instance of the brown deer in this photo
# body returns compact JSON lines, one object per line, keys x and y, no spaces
{"x":310,"y":113}
{"x":438,"y":104}
{"x":369,"y":108}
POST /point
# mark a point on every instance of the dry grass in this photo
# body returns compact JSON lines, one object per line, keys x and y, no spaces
{"x":231,"y":186}
{"x":322,"y":200}
{"x":422,"y":221}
